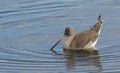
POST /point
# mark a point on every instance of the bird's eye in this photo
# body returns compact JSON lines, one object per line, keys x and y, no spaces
{"x":67,"y":32}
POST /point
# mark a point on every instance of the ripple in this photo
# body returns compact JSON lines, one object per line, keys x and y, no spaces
{"x":28,"y":28}
{"x":32,"y":8}
{"x":39,"y":7}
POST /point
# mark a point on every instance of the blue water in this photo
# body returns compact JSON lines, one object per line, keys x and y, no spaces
{"x":29,"y":28}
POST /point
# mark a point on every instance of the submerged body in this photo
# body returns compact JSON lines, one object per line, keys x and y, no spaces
{"x":84,"y":40}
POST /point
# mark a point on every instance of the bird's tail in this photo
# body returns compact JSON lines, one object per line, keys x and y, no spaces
{"x":98,"y":24}
{"x":99,"y":19}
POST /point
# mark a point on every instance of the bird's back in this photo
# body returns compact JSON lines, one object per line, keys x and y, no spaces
{"x":84,"y":38}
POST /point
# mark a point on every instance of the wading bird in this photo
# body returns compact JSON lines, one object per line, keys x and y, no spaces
{"x":84,"y":40}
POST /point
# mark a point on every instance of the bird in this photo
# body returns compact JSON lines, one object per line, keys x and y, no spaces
{"x":83,"y":40}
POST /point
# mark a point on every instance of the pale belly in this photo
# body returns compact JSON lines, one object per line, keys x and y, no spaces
{"x":91,"y":44}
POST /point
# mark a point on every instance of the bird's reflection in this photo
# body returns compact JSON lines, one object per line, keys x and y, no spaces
{"x":83,"y":58}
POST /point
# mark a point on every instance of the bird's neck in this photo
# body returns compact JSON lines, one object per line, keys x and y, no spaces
{"x":68,"y":42}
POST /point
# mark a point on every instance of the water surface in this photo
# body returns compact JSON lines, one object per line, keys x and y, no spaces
{"x":29,"y":28}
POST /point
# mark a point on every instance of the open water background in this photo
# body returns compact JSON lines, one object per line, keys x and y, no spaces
{"x":29,"y":28}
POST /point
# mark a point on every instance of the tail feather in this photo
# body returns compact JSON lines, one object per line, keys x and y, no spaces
{"x":98,"y":24}
{"x":99,"y":17}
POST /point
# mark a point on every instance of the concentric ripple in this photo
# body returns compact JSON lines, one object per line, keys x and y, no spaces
{"x":29,"y":28}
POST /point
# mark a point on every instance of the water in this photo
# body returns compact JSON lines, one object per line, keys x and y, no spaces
{"x":29,"y":28}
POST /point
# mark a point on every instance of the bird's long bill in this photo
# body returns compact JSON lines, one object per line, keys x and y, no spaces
{"x":58,"y":42}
